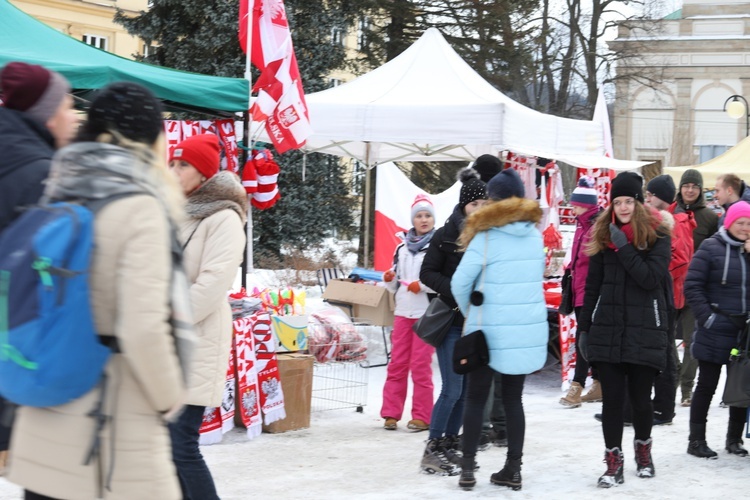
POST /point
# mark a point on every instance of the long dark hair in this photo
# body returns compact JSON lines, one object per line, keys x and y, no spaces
{"x":646,"y":228}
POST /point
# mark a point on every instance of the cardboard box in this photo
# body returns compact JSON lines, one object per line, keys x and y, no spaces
{"x":291,"y":332}
{"x":368,"y":302}
{"x":296,"y":374}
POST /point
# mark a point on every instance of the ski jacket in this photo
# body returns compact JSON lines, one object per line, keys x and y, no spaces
{"x":513,"y":315}
{"x":579,"y":260}
{"x":27,"y":148}
{"x":407,"y":267}
{"x":682,"y":252}
{"x":717,"y":285}
{"x":625,"y":308}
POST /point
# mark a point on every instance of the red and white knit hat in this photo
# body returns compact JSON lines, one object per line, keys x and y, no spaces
{"x":422,"y":202}
{"x":260,"y":179}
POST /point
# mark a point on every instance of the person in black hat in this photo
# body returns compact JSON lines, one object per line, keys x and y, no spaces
{"x":442,"y":258}
{"x":487,"y":166}
{"x":623,"y":324}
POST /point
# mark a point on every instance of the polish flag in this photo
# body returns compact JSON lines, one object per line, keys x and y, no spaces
{"x":281,"y":98}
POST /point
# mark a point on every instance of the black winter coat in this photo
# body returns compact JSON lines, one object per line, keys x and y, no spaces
{"x":442,"y":259}
{"x":718,"y":275}
{"x":625,"y":307}
{"x":26,"y":149}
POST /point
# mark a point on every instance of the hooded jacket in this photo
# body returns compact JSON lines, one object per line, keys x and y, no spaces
{"x":214,"y":239}
{"x":744,"y":196}
{"x":626,"y":304}
{"x":707,"y":222}
{"x":27,"y":148}
{"x":579,"y":261}
{"x":505,"y":242}
{"x":718,"y":280}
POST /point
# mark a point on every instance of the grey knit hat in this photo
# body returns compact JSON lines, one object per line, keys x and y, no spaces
{"x":692,"y":176}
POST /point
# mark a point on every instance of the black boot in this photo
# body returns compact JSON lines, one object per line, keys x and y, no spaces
{"x":467,"y":480}
{"x":697,"y":445}
{"x":509,"y":476}
{"x":643,"y":460}
{"x":613,"y":475}
{"x":451,"y":449}
{"x":734,"y":439}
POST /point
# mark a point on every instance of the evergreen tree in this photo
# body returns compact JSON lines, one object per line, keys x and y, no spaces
{"x":201,"y":36}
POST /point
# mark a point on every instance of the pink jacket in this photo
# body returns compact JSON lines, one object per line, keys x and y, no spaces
{"x":579,"y":261}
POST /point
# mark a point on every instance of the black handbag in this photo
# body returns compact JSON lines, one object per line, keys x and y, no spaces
{"x":737,"y":388}
{"x":435,"y":323}
{"x":471,"y":350}
{"x":566,"y":307}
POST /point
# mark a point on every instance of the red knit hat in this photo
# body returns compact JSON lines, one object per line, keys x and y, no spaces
{"x":201,"y":151}
{"x":32,"y":89}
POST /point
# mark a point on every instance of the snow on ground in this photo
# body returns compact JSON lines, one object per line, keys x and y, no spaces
{"x":345,"y":453}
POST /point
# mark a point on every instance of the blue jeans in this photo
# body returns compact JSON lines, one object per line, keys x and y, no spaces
{"x":195,"y":478}
{"x":447,"y":414}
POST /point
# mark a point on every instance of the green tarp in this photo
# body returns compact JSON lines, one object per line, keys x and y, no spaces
{"x":23,"y":38}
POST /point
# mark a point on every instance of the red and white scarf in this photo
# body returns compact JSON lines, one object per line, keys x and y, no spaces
{"x":271,"y":394}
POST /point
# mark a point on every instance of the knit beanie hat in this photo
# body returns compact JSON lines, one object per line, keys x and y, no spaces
{"x":472,"y":189}
{"x":585,"y":194}
{"x":487,"y":166}
{"x":421,"y":203}
{"x":691,"y":176}
{"x":662,"y":186}
{"x":201,"y":151}
{"x":505,"y":185}
{"x":627,"y":184}
{"x":32,"y":89}
{"x":737,"y":210}
{"x":127,"y":108}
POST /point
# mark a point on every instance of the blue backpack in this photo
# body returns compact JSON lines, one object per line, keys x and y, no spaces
{"x":50,"y":353}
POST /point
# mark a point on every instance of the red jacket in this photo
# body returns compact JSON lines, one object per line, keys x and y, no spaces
{"x":682,"y":252}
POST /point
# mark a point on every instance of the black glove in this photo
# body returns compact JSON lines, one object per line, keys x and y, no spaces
{"x":582,"y":345}
{"x":617,"y":236}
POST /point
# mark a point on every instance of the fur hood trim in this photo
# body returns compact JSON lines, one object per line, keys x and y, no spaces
{"x":223,"y":191}
{"x":499,"y":214}
{"x":667,"y":220}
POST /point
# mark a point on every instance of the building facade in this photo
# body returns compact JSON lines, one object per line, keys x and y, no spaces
{"x":688,"y":66}
{"x":89,"y":21}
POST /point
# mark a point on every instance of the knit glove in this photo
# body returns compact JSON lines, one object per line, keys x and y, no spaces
{"x":617,"y":236}
{"x":414,"y":287}
{"x":583,"y":345}
{"x":388,"y":276}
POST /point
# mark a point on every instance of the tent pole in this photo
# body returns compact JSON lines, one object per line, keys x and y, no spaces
{"x":247,"y":264}
{"x":366,"y":214}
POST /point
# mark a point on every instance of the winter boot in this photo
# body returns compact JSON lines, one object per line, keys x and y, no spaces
{"x":643,"y":458}
{"x":509,"y":476}
{"x":499,"y":438}
{"x":613,"y":475}
{"x":435,"y":462}
{"x":594,"y":395}
{"x":467,"y":480}
{"x":451,"y":449}
{"x":734,"y":439}
{"x":697,"y":445}
{"x":573,"y":398}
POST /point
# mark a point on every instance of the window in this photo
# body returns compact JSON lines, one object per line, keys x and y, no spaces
{"x":711,"y":151}
{"x":337,"y":36}
{"x":363,"y":30}
{"x":100,"y":42}
{"x":334,"y":82}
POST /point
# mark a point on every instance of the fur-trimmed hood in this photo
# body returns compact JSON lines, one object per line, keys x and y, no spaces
{"x":222,"y":191}
{"x":499,"y":214}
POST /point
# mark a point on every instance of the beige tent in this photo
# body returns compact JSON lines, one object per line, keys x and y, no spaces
{"x":736,"y":160}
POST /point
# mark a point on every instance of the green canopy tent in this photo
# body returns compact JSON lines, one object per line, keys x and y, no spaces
{"x":23,"y":38}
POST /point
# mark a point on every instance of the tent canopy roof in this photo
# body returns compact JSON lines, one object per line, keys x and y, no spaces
{"x":735,"y":160}
{"x":23,"y":38}
{"x":428,"y":104}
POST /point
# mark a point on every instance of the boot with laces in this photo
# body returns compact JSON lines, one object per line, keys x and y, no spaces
{"x":613,"y":475}
{"x":509,"y":476}
{"x":594,"y":395}
{"x":643,"y":458}
{"x":467,"y":480}
{"x":573,"y":398}
{"x":697,"y":445}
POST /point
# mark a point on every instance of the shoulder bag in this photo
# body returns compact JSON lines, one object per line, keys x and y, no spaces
{"x":471,"y":350}
{"x":435,"y":323}
{"x":566,"y":300}
{"x":737,"y":388}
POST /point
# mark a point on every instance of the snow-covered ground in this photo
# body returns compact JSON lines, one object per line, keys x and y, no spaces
{"x":346,"y":454}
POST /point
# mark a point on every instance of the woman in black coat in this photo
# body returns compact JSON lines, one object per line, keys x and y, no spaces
{"x":718,"y":292}
{"x":438,"y":267}
{"x":624,"y":322}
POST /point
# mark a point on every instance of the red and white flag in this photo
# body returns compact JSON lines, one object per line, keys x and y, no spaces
{"x":281,"y":98}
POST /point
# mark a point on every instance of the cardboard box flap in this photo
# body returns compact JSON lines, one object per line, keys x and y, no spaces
{"x":354,"y":293}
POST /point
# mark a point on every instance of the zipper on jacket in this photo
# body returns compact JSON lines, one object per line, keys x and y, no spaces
{"x":656,"y":313}
{"x":596,"y":307}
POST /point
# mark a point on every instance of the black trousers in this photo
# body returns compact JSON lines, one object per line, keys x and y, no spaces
{"x":665,"y":385}
{"x":708,"y":381}
{"x":478,"y":390}
{"x":621,"y":380}
{"x":6,"y":423}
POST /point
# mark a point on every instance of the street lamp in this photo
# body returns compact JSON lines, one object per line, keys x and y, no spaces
{"x":736,"y":107}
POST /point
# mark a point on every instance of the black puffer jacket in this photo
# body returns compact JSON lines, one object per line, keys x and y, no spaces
{"x":625,"y":307}
{"x":718,"y":276}
{"x":442,"y":259}
{"x":26,"y":152}
{"x":705,"y":218}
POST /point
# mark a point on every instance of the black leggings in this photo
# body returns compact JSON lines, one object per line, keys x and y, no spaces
{"x":582,"y":366}
{"x":639,"y":379}
{"x":708,"y":380}
{"x":478,"y":390}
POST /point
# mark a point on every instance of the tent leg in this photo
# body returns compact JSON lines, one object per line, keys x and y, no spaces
{"x":366,"y":214}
